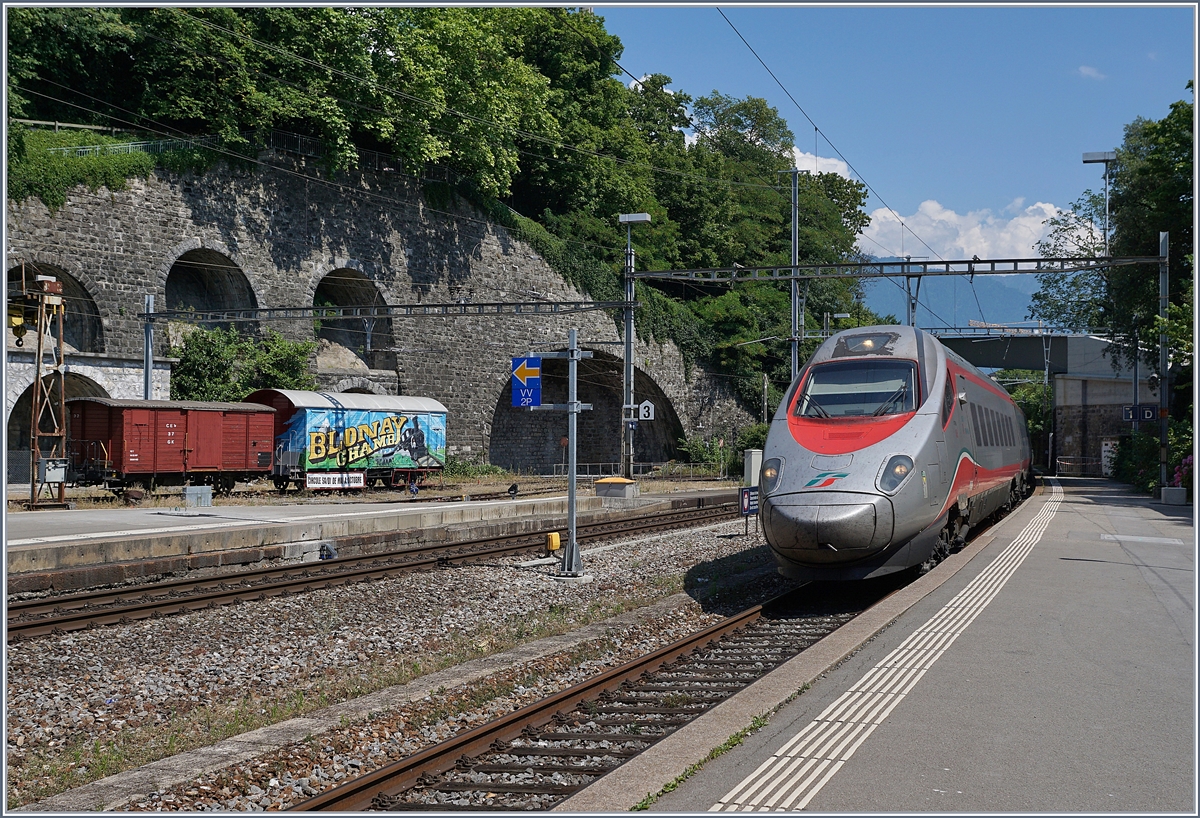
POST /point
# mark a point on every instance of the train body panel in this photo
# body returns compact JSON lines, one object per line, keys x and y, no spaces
{"x":372,"y":438}
{"x":120,"y":443}
{"x":887,"y":448}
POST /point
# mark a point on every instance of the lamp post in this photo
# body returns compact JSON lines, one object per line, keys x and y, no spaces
{"x":627,"y":407}
{"x":1106,"y":157}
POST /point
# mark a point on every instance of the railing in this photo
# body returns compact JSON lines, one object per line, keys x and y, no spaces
{"x":156,"y":146}
{"x":1078,"y":466}
{"x":298,"y":144}
{"x":670,"y":469}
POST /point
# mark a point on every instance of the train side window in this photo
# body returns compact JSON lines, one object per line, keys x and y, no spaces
{"x":1008,"y":430}
{"x":975,"y":424}
{"x":993,"y":427}
{"x":990,"y":423}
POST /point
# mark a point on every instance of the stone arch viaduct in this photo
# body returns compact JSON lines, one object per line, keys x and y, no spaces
{"x":285,"y":235}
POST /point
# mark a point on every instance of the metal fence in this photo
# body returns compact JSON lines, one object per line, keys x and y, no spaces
{"x":284,"y":141}
{"x":155,"y":146}
{"x":1078,"y":466}
{"x":20,"y":466}
{"x":671,"y":469}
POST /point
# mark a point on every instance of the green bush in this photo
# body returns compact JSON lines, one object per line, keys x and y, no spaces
{"x":48,"y":176}
{"x":1137,"y":460}
{"x":224,"y":365}
{"x":458,"y":467}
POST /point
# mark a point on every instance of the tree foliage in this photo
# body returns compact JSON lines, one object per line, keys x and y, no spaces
{"x":526,"y":106}
{"x":225,"y":365}
{"x":1150,"y":192}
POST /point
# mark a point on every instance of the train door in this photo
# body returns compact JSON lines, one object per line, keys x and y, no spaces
{"x":139,"y":442}
{"x":169,"y":426}
{"x":203,"y":441}
{"x":970,"y":435}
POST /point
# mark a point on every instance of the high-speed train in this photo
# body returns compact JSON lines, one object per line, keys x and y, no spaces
{"x":886,"y":450}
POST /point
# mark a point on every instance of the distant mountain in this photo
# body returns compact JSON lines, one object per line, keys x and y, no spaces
{"x":953,"y":300}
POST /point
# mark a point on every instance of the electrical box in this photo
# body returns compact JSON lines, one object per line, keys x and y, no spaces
{"x":552,"y":541}
{"x":52,"y":470}
{"x":751,"y":465}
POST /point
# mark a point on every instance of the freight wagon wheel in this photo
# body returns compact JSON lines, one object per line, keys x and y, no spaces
{"x":225,"y":484}
{"x":280,"y":483}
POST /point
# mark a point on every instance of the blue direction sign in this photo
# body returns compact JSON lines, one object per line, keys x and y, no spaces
{"x":527,"y":382}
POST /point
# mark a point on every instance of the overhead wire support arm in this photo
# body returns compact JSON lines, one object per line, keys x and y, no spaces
{"x":898,"y":269}
{"x":383,"y":311}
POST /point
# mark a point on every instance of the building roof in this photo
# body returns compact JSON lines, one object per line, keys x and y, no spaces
{"x":192,"y":405}
{"x":353,"y":400}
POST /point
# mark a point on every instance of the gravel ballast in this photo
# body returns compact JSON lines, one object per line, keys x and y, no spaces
{"x":86,"y":705}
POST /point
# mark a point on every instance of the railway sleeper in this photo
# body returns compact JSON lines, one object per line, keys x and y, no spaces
{"x":495,"y":767}
{"x":577,"y":751}
{"x":502,"y":787}
{"x":624,"y":738}
{"x":609,"y":710}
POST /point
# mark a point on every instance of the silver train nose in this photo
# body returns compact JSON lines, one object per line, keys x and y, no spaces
{"x":827,"y":526}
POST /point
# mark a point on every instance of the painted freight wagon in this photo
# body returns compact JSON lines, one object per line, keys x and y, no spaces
{"x":148,"y":443}
{"x":346,"y":440}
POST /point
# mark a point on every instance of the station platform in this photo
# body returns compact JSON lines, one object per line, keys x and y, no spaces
{"x":1048,"y":667}
{"x":71,"y":549}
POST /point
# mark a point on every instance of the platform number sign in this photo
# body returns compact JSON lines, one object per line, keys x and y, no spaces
{"x":645,"y":410}
{"x":1138,"y":411}
{"x":526,"y":382}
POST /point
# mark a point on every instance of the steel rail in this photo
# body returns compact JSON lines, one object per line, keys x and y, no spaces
{"x":77,"y":611}
{"x":358,"y":795}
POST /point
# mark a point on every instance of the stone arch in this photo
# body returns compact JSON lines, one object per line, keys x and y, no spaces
{"x":83,"y":330}
{"x":362,"y":386}
{"x":20,"y":420}
{"x":532,"y":441}
{"x":369,"y":339}
{"x":206,"y":276}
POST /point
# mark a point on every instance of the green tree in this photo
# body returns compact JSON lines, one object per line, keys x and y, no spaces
{"x":1074,"y":301}
{"x":224,"y":365}
{"x":1151,"y":192}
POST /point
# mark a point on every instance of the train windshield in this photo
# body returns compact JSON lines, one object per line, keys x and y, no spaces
{"x":863,"y":388}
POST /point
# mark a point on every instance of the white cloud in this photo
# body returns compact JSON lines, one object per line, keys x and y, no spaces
{"x":953,"y":236}
{"x":804,"y":161}
{"x":1091,"y":73}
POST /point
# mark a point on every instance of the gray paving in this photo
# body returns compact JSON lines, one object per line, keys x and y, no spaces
{"x":47,"y":527}
{"x":1073,"y":690}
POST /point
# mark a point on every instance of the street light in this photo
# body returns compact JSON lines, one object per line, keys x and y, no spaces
{"x":627,"y":408}
{"x":1106,"y":157}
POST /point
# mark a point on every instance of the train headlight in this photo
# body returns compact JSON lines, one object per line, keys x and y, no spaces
{"x":895,"y":471}
{"x":768,"y":478}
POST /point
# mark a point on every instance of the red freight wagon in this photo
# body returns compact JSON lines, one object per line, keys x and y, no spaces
{"x":121,"y":443}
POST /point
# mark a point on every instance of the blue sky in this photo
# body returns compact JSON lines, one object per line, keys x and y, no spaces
{"x":970,"y":122}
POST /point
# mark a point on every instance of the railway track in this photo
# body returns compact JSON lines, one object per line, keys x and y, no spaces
{"x":31,"y":618}
{"x":542,"y":754}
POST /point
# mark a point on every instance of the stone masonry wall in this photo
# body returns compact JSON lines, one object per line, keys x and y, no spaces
{"x":285,"y":227}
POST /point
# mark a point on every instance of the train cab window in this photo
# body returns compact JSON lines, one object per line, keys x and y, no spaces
{"x":863,"y":388}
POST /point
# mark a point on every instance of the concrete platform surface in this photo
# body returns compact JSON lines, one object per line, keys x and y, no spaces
{"x":1050,"y":667}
